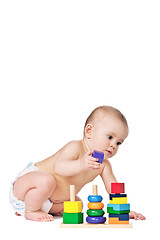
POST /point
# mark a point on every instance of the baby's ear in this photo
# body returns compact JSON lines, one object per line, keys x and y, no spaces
{"x":88,"y":130}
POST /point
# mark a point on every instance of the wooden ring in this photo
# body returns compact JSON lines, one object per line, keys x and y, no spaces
{"x":95,"y":198}
{"x":95,"y":220}
{"x":95,"y":213}
{"x":95,"y":205}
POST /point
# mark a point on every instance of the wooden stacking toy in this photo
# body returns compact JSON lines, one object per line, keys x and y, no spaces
{"x":72,"y":209}
{"x":95,"y":212}
{"x":118,"y":208}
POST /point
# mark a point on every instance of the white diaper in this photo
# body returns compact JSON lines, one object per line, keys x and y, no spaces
{"x":18,"y":205}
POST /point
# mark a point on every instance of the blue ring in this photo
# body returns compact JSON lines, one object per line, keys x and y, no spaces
{"x":95,"y":198}
{"x":95,"y":220}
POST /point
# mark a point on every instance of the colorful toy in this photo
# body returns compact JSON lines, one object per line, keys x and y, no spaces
{"x":118,"y":213}
{"x":99,"y":155}
{"x":72,"y":209}
{"x":95,"y":212}
{"x":118,"y":200}
{"x":95,"y":220}
{"x":118,"y":208}
{"x":117,"y":188}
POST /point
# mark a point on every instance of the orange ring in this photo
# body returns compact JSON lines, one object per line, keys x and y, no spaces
{"x":95,"y":205}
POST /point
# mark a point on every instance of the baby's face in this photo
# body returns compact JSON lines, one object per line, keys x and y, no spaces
{"x":108,"y":134}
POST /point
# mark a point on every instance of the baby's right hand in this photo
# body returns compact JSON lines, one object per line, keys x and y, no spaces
{"x":89,"y":162}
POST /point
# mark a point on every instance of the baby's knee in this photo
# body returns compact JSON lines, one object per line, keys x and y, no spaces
{"x":47,"y":182}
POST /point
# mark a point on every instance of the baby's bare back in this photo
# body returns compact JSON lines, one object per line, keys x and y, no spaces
{"x":61,"y":192}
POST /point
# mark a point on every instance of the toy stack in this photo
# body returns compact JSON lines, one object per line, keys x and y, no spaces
{"x":118,"y":208}
{"x":72,"y":209}
{"x":95,"y":205}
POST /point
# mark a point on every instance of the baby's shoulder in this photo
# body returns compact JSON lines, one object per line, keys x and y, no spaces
{"x":76,"y":144}
{"x":72,"y":148}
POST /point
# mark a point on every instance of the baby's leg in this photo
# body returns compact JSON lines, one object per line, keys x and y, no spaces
{"x":34,"y":188}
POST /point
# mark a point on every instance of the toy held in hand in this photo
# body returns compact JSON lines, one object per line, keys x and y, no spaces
{"x":99,"y":155}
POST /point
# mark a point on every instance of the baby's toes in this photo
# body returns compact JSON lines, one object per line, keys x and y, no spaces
{"x":43,"y":219}
{"x":51,"y":218}
{"x":46,"y":219}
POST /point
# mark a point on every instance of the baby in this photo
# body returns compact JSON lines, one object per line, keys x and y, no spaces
{"x":40,"y":189}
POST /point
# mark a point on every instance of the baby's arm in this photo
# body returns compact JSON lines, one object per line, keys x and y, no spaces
{"x":108,"y":176}
{"x":68,"y":162}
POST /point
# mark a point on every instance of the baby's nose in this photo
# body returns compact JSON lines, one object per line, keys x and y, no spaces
{"x":112,"y":145}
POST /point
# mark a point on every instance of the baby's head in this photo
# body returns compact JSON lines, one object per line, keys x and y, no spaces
{"x":105,"y":129}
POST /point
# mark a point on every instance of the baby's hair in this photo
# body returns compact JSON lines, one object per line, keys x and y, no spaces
{"x":106,"y":110}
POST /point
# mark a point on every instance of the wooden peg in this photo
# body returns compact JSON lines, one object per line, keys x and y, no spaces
{"x":95,"y":190}
{"x":72,"y":193}
{"x":72,"y":206}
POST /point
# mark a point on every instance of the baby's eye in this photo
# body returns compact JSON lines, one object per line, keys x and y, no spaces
{"x":118,"y":143}
{"x":110,"y":137}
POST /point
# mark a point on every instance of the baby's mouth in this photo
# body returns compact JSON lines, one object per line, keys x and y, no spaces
{"x":108,"y":151}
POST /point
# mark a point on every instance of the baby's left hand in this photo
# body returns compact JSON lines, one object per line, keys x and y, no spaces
{"x":136,"y":216}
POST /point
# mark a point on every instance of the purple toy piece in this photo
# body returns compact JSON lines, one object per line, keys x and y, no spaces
{"x":99,"y":155}
{"x":95,"y":220}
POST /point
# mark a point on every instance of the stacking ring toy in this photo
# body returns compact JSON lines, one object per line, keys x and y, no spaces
{"x":95,"y":198}
{"x":95,"y":213}
{"x":96,"y":220}
{"x":95,"y":205}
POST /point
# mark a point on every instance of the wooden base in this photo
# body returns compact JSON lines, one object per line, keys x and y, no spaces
{"x":88,"y":225}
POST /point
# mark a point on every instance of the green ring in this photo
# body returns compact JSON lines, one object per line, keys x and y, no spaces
{"x":95,"y":213}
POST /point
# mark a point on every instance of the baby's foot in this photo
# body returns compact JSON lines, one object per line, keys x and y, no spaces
{"x":39,"y":216}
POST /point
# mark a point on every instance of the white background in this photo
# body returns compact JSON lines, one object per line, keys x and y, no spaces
{"x":58,"y":61}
